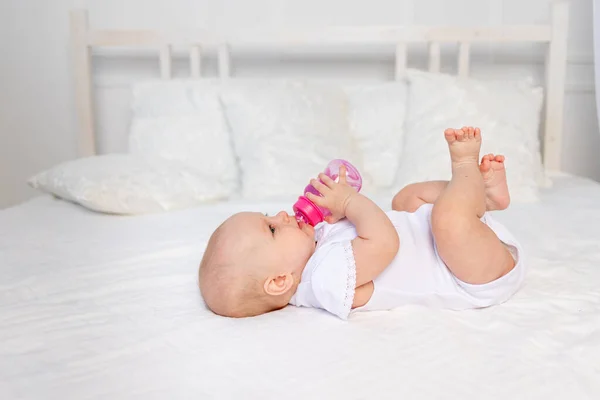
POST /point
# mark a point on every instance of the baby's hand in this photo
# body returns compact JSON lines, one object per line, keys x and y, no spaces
{"x":334,"y":196}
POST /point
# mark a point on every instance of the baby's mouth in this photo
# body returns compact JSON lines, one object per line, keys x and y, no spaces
{"x":302,"y":225}
{"x":306,"y":228}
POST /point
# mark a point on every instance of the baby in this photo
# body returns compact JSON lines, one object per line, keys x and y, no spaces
{"x":438,"y":248}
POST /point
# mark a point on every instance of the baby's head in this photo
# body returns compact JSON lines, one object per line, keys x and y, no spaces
{"x":253,"y":263}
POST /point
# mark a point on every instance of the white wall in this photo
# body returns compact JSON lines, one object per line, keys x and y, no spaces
{"x":37,"y":121}
{"x":36,"y":118}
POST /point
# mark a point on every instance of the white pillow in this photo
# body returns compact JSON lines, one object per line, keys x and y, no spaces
{"x":508,"y":114}
{"x":129,"y":184}
{"x":184,"y":121}
{"x":377,"y":118}
{"x":285,"y":132}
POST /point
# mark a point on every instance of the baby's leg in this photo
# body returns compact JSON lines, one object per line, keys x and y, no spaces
{"x":469,"y":248}
{"x":413,"y":196}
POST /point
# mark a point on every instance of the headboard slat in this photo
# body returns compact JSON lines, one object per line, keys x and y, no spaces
{"x":165,"y":62}
{"x":434,"y":57}
{"x":82,"y":59}
{"x":556,"y":70}
{"x":195,"y":62}
{"x":224,"y":61}
{"x":400,"y":60}
{"x":464,"y":49}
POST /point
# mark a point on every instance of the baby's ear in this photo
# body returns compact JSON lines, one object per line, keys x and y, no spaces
{"x":278,"y":285}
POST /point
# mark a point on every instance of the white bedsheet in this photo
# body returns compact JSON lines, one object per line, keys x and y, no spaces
{"x":106,"y":307}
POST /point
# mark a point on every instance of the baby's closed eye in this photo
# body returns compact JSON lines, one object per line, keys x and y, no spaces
{"x":271,"y":227}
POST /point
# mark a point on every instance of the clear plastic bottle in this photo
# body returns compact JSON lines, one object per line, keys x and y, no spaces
{"x":308,"y":212}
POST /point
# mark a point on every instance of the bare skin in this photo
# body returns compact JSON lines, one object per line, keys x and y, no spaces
{"x":268,"y":270}
{"x":493,"y":172}
{"x":494,"y":180}
{"x":496,"y":197}
{"x":469,"y":248}
{"x":253,"y":263}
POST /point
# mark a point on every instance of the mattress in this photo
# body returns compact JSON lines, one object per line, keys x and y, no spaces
{"x":107,"y":307}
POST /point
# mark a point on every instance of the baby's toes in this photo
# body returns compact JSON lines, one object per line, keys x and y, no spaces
{"x":485,"y":164}
{"x":449,"y":135}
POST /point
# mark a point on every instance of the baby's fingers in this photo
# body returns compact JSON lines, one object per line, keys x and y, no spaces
{"x":331,"y":220}
{"x":343,"y":175}
{"x":321,"y":188}
{"x":318,"y":200}
{"x":326,"y":180}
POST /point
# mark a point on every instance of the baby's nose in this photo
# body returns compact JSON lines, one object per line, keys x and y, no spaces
{"x":284,"y":216}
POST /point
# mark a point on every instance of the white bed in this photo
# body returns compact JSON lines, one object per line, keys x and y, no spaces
{"x":97,"y":306}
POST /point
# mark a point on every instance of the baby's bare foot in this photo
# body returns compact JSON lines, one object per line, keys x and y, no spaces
{"x":493,"y":172}
{"x":464,"y":145}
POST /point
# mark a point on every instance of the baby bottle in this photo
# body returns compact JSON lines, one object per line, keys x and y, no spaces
{"x":308,"y":212}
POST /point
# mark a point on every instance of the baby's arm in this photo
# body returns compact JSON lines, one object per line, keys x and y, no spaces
{"x":377,"y":242}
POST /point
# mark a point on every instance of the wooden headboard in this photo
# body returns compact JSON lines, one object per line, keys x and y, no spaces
{"x":554,"y":34}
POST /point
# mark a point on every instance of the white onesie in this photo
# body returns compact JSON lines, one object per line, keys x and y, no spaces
{"x":417,"y":275}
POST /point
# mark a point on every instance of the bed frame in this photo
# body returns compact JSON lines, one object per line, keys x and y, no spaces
{"x":554,"y":34}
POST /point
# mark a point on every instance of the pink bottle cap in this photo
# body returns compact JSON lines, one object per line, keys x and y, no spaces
{"x":307,"y":211}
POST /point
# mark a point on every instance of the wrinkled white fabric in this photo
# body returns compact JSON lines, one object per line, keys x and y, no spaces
{"x":183,"y":120}
{"x":507,"y":113}
{"x":97,"y":306}
{"x":285,"y":132}
{"x":129,"y":184}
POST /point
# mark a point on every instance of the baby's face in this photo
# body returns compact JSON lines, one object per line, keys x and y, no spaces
{"x":280,"y":240}
{"x":253,"y":263}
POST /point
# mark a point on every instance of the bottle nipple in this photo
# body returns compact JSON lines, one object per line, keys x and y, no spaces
{"x":300,"y":218}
